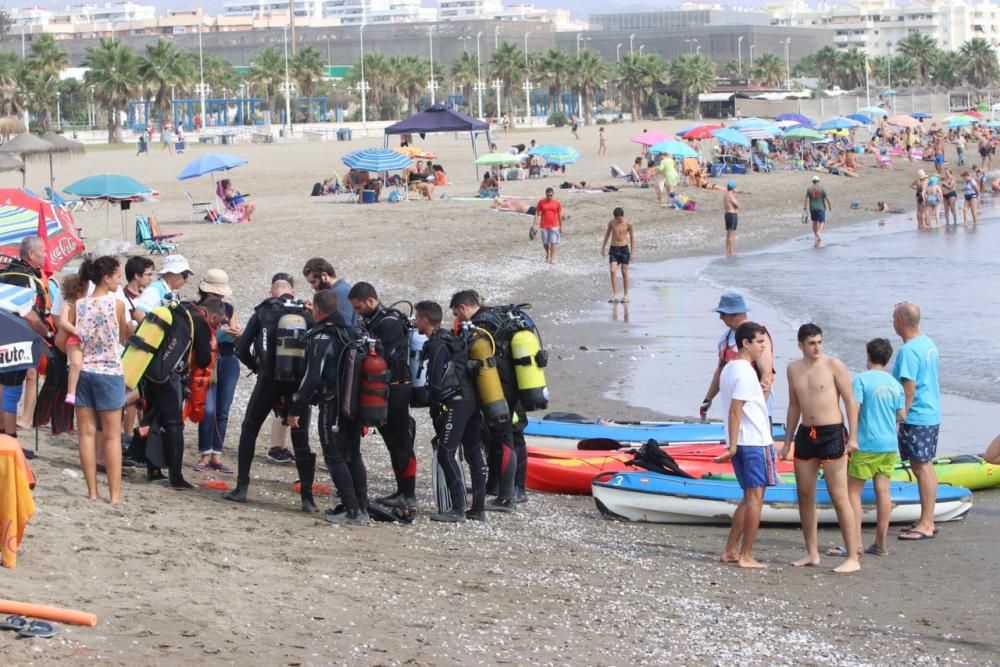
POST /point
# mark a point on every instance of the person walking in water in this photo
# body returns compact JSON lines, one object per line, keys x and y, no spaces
{"x":622,"y":237}
{"x":732,"y":217}
{"x":817,"y":203}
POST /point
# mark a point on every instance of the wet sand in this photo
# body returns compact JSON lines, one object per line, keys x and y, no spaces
{"x":185,"y":576}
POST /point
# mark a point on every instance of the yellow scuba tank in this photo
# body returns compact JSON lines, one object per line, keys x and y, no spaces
{"x":488,"y":387}
{"x":144,"y":344}
{"x":290,"y":348}
{"x":529,"y":359}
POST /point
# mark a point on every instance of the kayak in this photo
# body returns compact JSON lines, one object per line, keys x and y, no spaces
{"x":970,"y":472}
{"x":563,"y":471}
{"x":656,"y":498}
{"x":637,"y":433}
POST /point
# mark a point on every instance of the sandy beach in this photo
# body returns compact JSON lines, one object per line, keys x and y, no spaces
{"x":178,"y":577}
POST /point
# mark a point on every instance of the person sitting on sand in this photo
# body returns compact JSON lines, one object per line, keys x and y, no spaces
{"x":488,"y":188}
{"x":440,"y":177}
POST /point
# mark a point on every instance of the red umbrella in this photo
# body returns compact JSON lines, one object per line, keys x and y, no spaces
{"x":974,"y":114}
{"x":23,"y":215}
{"x":703,"y":132}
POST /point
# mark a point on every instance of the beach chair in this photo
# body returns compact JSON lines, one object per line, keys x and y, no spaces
{"x":762,"y":165}
{"x":69,"y":205}
{"x":199,"y":209}
{"x":159,"y":234}
{"x":144,"y":238}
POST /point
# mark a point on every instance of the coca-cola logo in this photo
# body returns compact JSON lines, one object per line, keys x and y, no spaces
{"x":65,"y":248}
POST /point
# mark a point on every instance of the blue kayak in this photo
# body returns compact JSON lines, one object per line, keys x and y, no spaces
{"x":656,"y":498}
{"x":633,"y":433}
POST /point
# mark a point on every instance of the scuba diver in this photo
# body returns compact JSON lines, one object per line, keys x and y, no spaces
{"x":324,"y":384}
{"x":271,"y":347}
{"x":455,"y":413}
{"x":391,"y":328}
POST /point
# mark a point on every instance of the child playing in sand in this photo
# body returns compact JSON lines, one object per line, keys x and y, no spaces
{"x":73,"y":288}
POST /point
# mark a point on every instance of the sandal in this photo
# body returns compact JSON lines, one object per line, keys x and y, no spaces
{"x":14,"y":622}
{"x":42,"y":629}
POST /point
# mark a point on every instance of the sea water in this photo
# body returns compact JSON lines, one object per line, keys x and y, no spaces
{"x":849,"y":288}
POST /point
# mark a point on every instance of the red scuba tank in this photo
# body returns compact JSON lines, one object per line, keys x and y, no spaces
{"x":373,"y":399}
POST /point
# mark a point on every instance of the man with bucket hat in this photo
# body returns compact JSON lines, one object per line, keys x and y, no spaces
{"x":732,"y":310}
{"x":174,"y":272}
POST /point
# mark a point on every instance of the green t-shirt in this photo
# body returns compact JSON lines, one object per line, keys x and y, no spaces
{"x":817,"y":198}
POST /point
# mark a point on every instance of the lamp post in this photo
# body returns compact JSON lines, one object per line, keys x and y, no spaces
{"x":24,"y":55}
{"x":362,"y":86}
{"x":201,"y":76}
{"x":58,"y":110}
{"x":496,"y":38}
{"x":465,"y":39}
{"x":431,"y":84}
{"x":697,"y":51}
{"x":479,"y":74}
{"x":527,"y":79}
{"x":93,"y":109}
{"x":288,"y":86}
{"x":618,"y":53}
{"x":579,"y":94}
{"x":889,"y":65}
{"x":641,"y":47}
{"x":750,"y":73}
{"x":739,"y":54}
{"x":631,"y":42}
{"x":788,"y":69}
{"x":498,"y":87}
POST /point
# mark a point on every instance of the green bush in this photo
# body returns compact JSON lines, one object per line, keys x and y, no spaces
{"x":602,"y":121}
{"x":558,"y":119}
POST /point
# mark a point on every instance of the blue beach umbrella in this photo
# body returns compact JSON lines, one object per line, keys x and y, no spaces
{"x":993,"y":124}
{"x":377,"y":160}
{"x":675,"y":148}
{"x":873,"y":111}
{"x":888,"y":92}
{"x":920,"y":115}
{"x":689,"y":127}
{"x":861,"y":118}
{"x":730,"y":136}
{"x":112,"y":188}
{"x":20,"y":346}
{"x":557,"y":155}
{"x":838,"y":123}
{"x":210,"y":163}
{"x":797,"y":117}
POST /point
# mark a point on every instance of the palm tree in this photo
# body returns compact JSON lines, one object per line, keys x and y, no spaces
{"x":769,"y":70}
{"x":507,"y":64}
{"x":308,"y":69}
{"x":410,"y":76}
{"x":10,"y":73}
{"x":693,"y":74}
{"x":114,"y":75}
{"x":636,"y":77}
{"x":555,"y":71}
{"x":827,"y":64}
{"x":464,"y":74}
{"x":980,"y":62}
{"x":47,"y":56}
{"x":377,"y":75}
{"x":950,"y":69}
{"x":921,"y":48}
{"x":41,"y":75}
{"x":851,"y":65}
{"x":219,"y":72}
{"x":589,"y":75}
{"x":267,"y":70}
{"x":731,"y":68}
{"x":905,"y":71}
{"x":162,"y":68}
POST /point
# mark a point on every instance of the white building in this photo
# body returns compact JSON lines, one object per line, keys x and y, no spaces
{"x":457,"y":10}
{"x":263,"y":8}
{"x":874,"y":26}
{"x":108,"y":12}
{"x":30,"y":16}
{"x":348,"y":12}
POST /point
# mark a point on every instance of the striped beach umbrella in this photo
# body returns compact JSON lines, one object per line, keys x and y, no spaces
{"x":19,"y":217}
{"x":376,"y":160}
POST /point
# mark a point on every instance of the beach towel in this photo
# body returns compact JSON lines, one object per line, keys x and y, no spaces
{"x":16,"y":504}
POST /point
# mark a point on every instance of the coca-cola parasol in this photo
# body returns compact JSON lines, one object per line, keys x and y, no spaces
{"x":19,"y":217}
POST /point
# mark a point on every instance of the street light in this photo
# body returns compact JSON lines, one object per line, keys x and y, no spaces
{"x":750,"y":73}
{"x":631,"y":40}
{"x":362,"y":85}
{"x":479,"y":74}
{"x":498,"y":87}
{"x":288,"y":85}
{"x":496,"y":38}
{"x":788,"y":69}
{"x":697,"y":51}
{"x":889,"y":64}
{"x":58,"y":110}
{"x":579,"y":94}
{"x":201,"y":75}
{"x":618,"y":53}
{"x":739,"y":54}
{"x":465,"y":39}
{"x":431,"y":83}
{"x":527,"y":79}
{"x":641,"y":47}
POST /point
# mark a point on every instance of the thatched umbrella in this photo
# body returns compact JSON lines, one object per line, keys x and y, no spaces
{"x":25,"y":145}
{"x":61,"y":145}
{"x":7,"y":163}
{"x":11,"y":125}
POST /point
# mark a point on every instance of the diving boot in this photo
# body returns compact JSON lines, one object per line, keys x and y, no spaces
{"x":348,"y":518}
{"x":154,"y":474}
{"x":451,"y":516}
{"x":476,"y":514}
{"x":521,"y":496}
{"x":500,"y":505}
{"x":399,"y":500}
{"x":237,"y":494}
{"x":176,"y":477}
{"x":306,"y":463}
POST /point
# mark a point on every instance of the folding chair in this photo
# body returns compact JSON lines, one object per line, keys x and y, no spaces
{"x":199,"y":209}
{"x":144,"y":238}
{"x":626,"y":178}
{"x":157,"y":233}
{"x":70,"y":205}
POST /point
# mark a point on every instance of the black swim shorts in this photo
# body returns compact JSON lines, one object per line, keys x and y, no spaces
{"x":826,"y":443}
{"x":817,"y":214}
{"x":732,"y":220}
{"x":619,"y":254}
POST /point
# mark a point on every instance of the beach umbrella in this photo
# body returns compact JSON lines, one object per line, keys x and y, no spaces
{"x":691,"y":126}
{"x":803,"y":133}
{"x":16,"y":300}
{"x":962,"y":121}
{"x":498,"y":159}
{"x":10,"y":125}
{"x":759,"y":131}
{"x":112,"y":188}
{"x":701,"y":132}
{"x":838,"y":123}
{"x":993,"y":124}
{"x":920,"y":115}
{"x":903,"y":121}
{"x":873,"y":111}
{"x":211,"y":163}
{"x":8,"y":163}
{"x":675,"y":148}
{"x":752,"y":121}
{"x":416,"y":153}
{"x":861,"y":118}
{"x":19,"y":217}
{"x":788,"y":124}
{"x":729,"y":136}
{"x":557,"y":155}
{"x":974,"y":114}
{"x":376,"y":160}
{"x":651,"y":138}
{"x":20,"y":346}
{"x":888,"y":92}
{"x":26,"y":145}
{"x":797,"y":117}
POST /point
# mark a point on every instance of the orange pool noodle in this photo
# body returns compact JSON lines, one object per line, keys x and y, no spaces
{"x":48,"y":613}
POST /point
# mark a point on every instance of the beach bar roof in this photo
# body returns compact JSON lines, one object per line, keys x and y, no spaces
{"x":438,"y":118}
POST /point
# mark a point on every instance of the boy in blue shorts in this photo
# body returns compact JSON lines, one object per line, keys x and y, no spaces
{"x":751,"y":448}
{"x":881,"y":406}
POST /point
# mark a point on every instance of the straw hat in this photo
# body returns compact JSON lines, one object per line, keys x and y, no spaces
{"x":216,"y":281}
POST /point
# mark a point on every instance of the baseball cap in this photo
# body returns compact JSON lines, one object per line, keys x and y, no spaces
{"x":815,"y":179}
{"x":731,"y":185}
{"x":175,"y":264}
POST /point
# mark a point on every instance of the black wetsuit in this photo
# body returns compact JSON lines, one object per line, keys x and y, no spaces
{"x":400,"y":429}
{"x":507,"y":453}
{"x":339,"y":437}
{"x":19,"y":274}
{"x":165,"y":402}
{"x":455,"y":413}
{"x":269,"y":395}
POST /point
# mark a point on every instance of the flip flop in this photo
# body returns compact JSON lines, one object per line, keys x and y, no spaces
{"x":909,"y":529}
{"x":875,"y":551}
{"x":41,"y":629}
{"x":907,"y":536}
{"x":837,"y":551}
{"x":532,"y":233}
{"x":14,"y":623}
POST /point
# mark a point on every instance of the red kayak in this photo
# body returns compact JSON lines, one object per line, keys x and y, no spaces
{"x":562,"y":471}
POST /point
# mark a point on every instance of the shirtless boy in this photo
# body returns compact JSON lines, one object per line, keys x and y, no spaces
{"x":817,"y":384}
{"x":622,"y":237}
{"x":732,"y":218}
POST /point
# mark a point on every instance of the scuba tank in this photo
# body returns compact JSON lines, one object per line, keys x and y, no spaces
{"x":418,"y":370}
{"x":483,"y":363}
{"x":373,"y":393}
{"x":290,"y":347}
{"x":529,"y":359}
{"x":144,"y":344}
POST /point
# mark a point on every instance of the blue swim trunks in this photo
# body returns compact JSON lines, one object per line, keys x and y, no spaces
{"x":755,"y":467}
{"x":918,"y":443}
{"x":939,"y":158}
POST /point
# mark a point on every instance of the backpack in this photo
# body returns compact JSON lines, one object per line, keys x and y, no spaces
{"x":172,"y":354}
{"x":456,"y":380}
{"x":652,"y":458}
{"x":398,"y":356}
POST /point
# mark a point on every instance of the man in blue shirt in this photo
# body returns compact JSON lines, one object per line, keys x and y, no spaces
{"x":880,"y":404}
{"x":916,"y":368}
{"x":320,"y":275}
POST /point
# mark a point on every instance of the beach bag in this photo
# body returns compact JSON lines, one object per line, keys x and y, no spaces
{"x":690,"y":205}
{"x":317,"y":190}
{"x":395,"y":197}
{"x":212,"y":216}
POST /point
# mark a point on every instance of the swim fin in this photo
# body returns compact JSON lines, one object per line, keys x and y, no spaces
{"x":51,"y":406}
{"x":438,"y":482}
